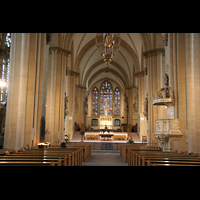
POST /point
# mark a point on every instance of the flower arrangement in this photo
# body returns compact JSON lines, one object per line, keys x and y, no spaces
{"x":131,"y":140}
{"x":66,"y":138}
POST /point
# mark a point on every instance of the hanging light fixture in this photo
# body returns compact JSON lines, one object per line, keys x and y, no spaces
{"x":108,"y":45}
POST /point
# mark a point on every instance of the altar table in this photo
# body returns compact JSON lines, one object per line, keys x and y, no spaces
{"x":106,"y":135}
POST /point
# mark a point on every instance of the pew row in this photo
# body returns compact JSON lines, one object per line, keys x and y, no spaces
{"x":140,"y":156}
{"x":126,"y":148}
{"x":86,"y":149}
{"x":72,"y":155}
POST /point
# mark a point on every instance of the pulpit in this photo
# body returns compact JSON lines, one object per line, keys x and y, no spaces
{"x":167,"y":130}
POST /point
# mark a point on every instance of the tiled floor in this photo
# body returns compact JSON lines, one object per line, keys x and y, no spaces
{"x":105,"y":158}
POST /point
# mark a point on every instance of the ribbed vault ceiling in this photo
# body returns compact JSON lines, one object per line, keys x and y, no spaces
{"x":88,"y":62}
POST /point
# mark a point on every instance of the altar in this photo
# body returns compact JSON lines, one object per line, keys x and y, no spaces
{"x":106,"y":136}
{"x":103,"y":136}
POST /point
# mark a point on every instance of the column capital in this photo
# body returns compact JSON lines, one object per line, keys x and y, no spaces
{"x":154,"y":52}
{"x":72,"y":73}
{"x":60,"y":50}
{"x":160,"y":51}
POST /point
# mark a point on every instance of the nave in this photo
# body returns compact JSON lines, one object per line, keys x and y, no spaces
{"x":52,"y":81}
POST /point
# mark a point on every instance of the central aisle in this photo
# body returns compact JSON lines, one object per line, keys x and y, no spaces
{"x":105,"y":159}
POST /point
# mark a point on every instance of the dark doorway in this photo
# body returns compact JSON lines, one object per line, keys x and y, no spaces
{"x":42,"y":129}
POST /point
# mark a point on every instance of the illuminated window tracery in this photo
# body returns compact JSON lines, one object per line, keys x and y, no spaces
{"x":117,"y":102}
{"x":109,"y":100}
{"x":95,"y":101}
{"x":106,"y":93}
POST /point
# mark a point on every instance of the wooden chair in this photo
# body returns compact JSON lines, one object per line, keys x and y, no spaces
{"x":88,"y":137}
{"x":97,"y":137}
{"x":114,"y":137}
{"x":119,"y":137}
{"x":92,"y":137}
{"x":123,"y":137}
{"x":144,"y":139}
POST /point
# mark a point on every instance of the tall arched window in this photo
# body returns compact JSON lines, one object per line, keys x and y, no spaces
{"x":95,"y":102}
{"x":117,"y":102}
{"x":106,"y":97}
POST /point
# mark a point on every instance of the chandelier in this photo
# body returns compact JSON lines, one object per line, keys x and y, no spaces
{"x":108,"y":45}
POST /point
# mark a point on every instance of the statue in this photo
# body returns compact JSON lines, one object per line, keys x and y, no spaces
{"x":146,"y":107}
{"x":66,"y":112}
{"x":48,"y":37}
{"x":166,"y":80}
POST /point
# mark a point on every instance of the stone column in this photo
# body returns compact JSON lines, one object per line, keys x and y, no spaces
{"x":149,"y":83}
{"x":181,"y":88}
{"x":52,"y":97}
{"x":79,"y":104}
{"x":27,"y":89}
{"x":15,"y":122}
{"x":71,"y":81}
{"x":162,"y":110}
{"x":154,"y":88}
{"x":56,"y":94}
{"x":192,"y":90}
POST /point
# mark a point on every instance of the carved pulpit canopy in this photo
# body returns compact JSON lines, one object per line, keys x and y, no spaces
{"x":163,"y":97}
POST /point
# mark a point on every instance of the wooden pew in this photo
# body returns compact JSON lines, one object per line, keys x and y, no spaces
{"x":25,"y":163}
{"x":176,"y":162}
{"x":156,"y":158}
{"x":59,"y":158}
{"x":144,"y":159}
{"x":78,"y":157}
{"x":86,"y":149}
{"x":66,"y":160}
{"x":126,"y":149}
{"x":167,"y":156}
{"x":133,"y":153}
{"x":78,"y":154}
{"x":11,"y":158}
{"x":70,"y":155}
{"x":73,"y":155}
{"x":135,"y":158}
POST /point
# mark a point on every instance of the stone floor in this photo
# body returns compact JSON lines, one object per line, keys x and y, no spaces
{"x":105,"y":158}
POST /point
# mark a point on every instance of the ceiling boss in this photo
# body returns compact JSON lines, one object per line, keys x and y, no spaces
{"x":108,"y":45}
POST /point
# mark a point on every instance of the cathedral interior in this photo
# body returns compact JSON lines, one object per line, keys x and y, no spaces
{"x":51,"y":81}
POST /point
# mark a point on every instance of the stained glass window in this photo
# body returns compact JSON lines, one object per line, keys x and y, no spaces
{"x":95,"y":102}
{"x":8,"y":39}
{"x":106,"y":99}
{"x":94,"y":122}
{"x":117,"y":102}
{"x":117,"y":122}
